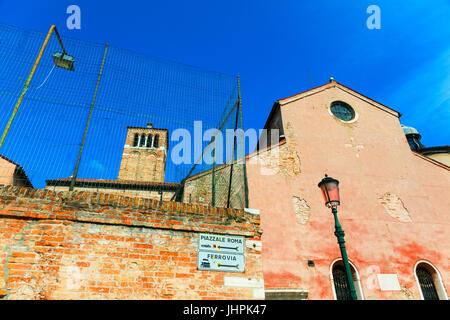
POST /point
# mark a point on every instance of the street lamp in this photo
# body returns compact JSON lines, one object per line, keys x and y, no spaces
{"x":62,"y":60}
{"x":330,"y":191}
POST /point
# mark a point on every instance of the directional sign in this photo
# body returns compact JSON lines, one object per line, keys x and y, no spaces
{"x":221,"y":253}
{"x":221,"y":243}
{"x":221,"y":261}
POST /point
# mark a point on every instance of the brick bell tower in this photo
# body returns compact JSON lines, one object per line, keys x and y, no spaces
{"x":144,"y":154}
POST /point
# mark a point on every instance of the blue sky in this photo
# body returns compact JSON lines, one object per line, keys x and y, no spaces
{"x":273,"y":45}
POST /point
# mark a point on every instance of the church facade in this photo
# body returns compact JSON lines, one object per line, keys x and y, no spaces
{"x":393,"y":201}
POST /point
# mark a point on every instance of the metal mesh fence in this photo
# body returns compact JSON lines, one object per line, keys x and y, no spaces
{"x":120,"y":122}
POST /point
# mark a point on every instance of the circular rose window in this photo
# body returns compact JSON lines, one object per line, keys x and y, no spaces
{"x":342,"y":111}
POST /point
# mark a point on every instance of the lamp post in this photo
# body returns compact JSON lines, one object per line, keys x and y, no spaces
{"x":330,"y":191}
{"x":61,"y":59}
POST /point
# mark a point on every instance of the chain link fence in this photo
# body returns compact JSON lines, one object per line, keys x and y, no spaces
{"x":101,"y":118}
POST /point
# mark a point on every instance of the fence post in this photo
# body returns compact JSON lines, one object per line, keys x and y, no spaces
{"x":213,"y":173}
{"x":74,"y":176}
{"x":232,"y":160}
{"x":243,"y":145}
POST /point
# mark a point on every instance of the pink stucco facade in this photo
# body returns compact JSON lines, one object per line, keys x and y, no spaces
{"x":394,"y":202}
{"x":7,"y":170}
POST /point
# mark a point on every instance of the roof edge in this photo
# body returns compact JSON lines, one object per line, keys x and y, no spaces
{"x":437,"y":163}
{"x":334,"y":83}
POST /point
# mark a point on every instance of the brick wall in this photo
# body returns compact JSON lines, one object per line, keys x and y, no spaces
{"x":83,"y":245}
{"x":198,"y":188}
{"x":280,"y":158}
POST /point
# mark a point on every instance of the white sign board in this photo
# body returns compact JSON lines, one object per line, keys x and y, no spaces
{"x":221,"y":253}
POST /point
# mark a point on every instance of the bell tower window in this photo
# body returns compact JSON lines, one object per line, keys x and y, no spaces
{"x":149,"y":141}
{"x":142,"y":142}
{"x":136,"y":140}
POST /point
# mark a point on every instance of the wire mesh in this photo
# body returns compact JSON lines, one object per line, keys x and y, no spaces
{"x":133,"y":90}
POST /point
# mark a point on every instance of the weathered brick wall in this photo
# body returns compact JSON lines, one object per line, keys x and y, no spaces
{"x":198,"y":188}
{"x":280,"y":158}
{"x":85,"y":245}
{"x":394,"y":207}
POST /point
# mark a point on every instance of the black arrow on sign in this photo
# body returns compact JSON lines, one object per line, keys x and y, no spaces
{"x":233,"y":248}
{"x":228,"y":265}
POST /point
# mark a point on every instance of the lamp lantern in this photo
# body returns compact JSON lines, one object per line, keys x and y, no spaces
{"x":330,"y":191}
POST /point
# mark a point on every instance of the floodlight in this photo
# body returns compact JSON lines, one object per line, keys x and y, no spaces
{"x":64,"y":61}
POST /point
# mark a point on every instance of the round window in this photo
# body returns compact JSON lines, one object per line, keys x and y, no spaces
{"x":342,"y":111}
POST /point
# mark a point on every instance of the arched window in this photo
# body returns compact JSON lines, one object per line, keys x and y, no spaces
{"x":156,"y":141}
{"x":430,"y":282}
{"x":149,"y":141}
{"x":142,"y":142}
{"x":136,"y":140}
{"x":339,"y":281}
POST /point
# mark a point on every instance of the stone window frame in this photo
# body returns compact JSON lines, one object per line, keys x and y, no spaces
{"x":438,"y":283}
{"x":355,"y":114}
{"x":357,"y":281}
{"x":140,"y":141}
